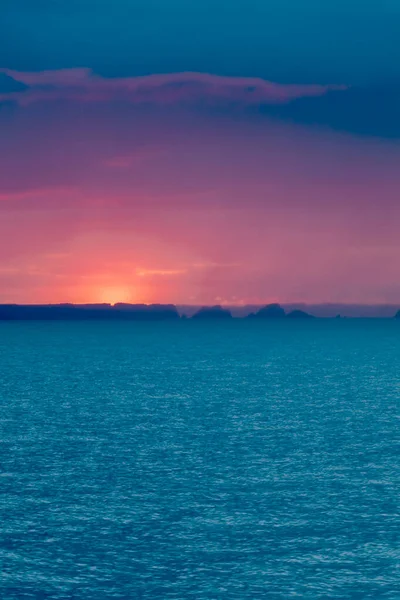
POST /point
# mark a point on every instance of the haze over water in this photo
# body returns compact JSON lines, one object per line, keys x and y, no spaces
{"x":231,"y":460}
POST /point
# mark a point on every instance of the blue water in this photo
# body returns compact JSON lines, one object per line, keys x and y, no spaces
{"x":234,"y":460}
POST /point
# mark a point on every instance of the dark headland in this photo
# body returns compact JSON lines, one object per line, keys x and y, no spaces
{"x":84,"y":312}
{"x":144,"y":312}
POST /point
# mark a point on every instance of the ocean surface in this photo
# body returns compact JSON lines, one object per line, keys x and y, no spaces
{"x":234,"y":460}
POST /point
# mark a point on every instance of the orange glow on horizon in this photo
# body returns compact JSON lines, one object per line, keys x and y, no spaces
{"x":105,"y":294}
{"x":115,"y":294}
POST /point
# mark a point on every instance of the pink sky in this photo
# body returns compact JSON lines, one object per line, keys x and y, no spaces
{"x":109,"y":199}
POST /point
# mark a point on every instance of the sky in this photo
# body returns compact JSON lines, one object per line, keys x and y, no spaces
{"x":200,"y":152}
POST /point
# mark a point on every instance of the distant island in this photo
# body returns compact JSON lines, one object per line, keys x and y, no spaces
{"x":212,"y":312}
{"x":270,"y":311}
{"x":275,"y":311}
{"x":144,"y":312}
{"x":299,"y":314}
{"x":84,"y":312}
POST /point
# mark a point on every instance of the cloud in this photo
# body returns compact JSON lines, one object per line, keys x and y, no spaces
{"x":32,"y":195}
{"x":9,"y":85}
{"x":123,"y":161}
{"x":368,"y":111}
{"x":85,"y":86}
{"x":159,"y":272}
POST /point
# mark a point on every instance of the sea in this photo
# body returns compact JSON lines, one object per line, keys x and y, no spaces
{"x":200,"y":460}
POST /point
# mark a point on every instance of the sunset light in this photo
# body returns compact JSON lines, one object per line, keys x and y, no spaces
{"x":199,"y":299}
{"x":115,"y":294}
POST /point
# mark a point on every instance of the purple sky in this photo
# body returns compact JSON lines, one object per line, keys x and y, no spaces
{"x":121,"y":182}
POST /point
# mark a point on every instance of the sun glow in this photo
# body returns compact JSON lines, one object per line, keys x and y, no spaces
{"x":115,"y":294}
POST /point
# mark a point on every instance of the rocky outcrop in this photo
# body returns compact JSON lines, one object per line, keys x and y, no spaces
{"x":270,"y":311}
{"x":299,"y":314}
{"x":212,"y":312}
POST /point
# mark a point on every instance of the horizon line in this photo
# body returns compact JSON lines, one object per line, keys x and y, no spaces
{"x":209,"y":305}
